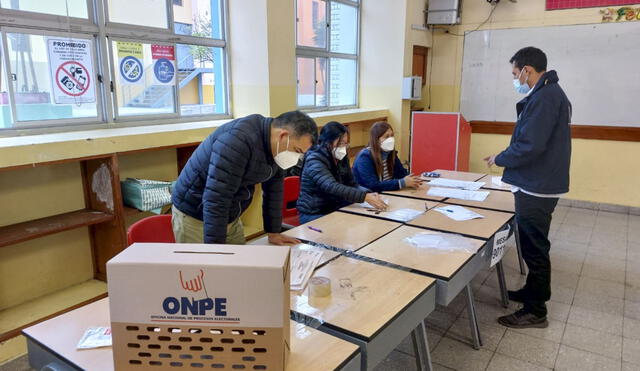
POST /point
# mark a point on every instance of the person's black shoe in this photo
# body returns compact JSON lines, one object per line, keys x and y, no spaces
{"x":523,"y":319}
{"x":517,"y":296}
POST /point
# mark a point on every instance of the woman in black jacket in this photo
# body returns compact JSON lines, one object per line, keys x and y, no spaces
{"x":327,"y":183}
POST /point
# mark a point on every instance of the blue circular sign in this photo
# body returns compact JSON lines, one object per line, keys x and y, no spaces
{"x":164,"y":70}
{"x":131,"y":69}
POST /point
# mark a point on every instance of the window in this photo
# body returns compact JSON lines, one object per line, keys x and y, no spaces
{"x":61,"y":65}
{"x":327,"y":53}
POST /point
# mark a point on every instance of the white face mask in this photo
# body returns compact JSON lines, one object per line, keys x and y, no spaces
{"x":286,"y":159}
{"x":520,"y":87}
{"x":388,"y":144}
{"x":340,"y":152}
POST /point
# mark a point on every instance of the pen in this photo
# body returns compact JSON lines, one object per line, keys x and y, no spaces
{"x":314,"y":229}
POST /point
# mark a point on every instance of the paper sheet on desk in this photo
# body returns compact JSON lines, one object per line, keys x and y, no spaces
{"x":95,"y":337}
{"x":458,"y":213}
{"x":497,"y":181}
{"x":367,"y":205}
{"x":442,"y":241}
{"x":403,"y":215}
{"x":303,"y":262}
{"x":452,"y":183}
{"x":458,"y":193}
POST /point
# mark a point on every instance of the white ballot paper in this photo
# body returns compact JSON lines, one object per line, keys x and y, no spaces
{"x":95,"y":337}
{"x":497,"y":181}
{"x":402,"y":215}
{"x":458,"y":193}
{"x":302,"y":264}
{"x":367,"y":205}
{"x":452,"y":183}
{"x":442,"y":241}
{"x":458,"y":213}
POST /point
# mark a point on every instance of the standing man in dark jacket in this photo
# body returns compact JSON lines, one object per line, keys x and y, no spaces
{"x":216,"y":186}
{"x":537,"y":168}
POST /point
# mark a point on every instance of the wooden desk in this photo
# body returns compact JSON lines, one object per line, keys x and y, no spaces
{"x":336,"y":232}
{"x":326,"y":254}
{"x":55,"y":341}
{"x":458,"y":175}
{"x":489,"y":184}
{"x":419,"y":193}
{"x":395,"y":203}
{"x":439,"y":264}
{"x":483,"y":228}
{"x":497,"y":200}
{"x":453,"y":270}
{"x":372,"y":305}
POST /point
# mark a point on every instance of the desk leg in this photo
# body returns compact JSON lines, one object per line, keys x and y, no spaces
{"x":517,"y":237}
{"x":503,"y":286}
{"x":421,"y":348}
{"x":473,"y":320}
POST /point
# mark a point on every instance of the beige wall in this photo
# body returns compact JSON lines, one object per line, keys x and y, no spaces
{"x":601,"y":171}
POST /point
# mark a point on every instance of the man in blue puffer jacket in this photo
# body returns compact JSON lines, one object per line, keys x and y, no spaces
{"x":216,"y":186}
{"x":537,"y":168}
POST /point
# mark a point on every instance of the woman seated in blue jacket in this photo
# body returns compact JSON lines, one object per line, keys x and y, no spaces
{"x":378,"y":167}
{"x":326,"y":183}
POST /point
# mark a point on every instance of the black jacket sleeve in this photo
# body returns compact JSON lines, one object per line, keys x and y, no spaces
{"x":229,"y":158}
{"x":272,"y":199}
{"x":319,"y":170}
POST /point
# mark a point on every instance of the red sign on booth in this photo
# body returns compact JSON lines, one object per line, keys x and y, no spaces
{"x":568,"y":4}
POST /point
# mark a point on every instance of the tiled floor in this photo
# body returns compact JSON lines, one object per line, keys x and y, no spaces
{"x":594,"y":312}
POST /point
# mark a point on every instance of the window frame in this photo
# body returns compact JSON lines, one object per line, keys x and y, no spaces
{"x":316,"y":52}
{"x":103,"y":32}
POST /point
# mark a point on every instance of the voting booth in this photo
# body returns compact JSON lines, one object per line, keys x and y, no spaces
{"x":439,"y":140}
{"x":195,"y":306}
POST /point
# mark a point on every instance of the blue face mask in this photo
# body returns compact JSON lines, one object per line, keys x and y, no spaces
{"x":520,"y":87}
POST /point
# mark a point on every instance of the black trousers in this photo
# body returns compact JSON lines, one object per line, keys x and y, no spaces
{"x":533,"y":215}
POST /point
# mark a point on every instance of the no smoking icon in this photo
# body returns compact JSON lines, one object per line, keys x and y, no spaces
{"x":131,"y":69}
{"x":72,"y":78}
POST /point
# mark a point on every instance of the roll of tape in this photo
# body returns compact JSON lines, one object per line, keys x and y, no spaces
{"x":319,"y":287}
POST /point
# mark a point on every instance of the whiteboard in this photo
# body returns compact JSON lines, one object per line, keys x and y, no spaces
{"x":598,"y":66}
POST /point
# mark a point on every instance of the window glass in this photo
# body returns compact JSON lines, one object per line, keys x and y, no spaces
{"x":53,"y":77}
{"x":72,"y":8}
{"x":200,"y":18}
{"x":343,"y":78}
{"x":312,"y":23}
{"x":146,"y":78}
{"x":149,"y":13}
{"x":201,"y":80}
{"x":344,"y":28}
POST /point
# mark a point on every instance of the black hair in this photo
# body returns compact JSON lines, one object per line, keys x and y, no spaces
{"x":330,"y":132}
{"x":530,"y":56}
{"x":300,"y":123}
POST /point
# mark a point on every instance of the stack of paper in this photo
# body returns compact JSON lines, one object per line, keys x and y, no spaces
{"x":302,"y":263}
{"x":496,"y":180}
{"x":458,"y":213}
{"x":458,"y":193}
{"x":452,"y":183}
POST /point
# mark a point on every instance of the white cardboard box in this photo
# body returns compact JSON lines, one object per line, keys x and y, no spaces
{"x":199,"y":306}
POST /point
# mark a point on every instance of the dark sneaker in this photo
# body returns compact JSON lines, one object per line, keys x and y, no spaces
{"x":523,"y":319}
{"x":517,"y":296}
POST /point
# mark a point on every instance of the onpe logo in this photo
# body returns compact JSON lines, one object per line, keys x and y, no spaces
{"x":186,"y":305}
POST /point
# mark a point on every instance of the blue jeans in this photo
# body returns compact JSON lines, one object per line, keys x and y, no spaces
{"x":306,"y":218}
